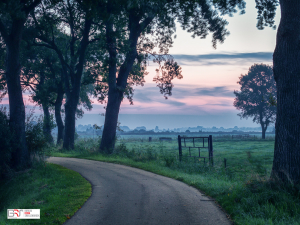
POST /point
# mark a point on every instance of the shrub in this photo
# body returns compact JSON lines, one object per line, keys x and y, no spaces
{"x":5,"y":143}
{"x":36,"y":142}
{"x":168,"y":159}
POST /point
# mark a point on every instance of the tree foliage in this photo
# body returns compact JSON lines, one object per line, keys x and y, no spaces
{"x":136,"y":30}
{"x":67,"y":28}
{"x":257,"y":87}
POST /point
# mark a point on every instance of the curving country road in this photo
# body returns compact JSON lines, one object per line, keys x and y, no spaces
{"x":124,"y":195}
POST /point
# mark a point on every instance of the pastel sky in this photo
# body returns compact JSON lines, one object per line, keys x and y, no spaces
{"x":209,"y":75}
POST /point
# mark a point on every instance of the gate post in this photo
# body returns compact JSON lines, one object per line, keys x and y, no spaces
{"x":210,"y":148}
{"x":179,"y":148}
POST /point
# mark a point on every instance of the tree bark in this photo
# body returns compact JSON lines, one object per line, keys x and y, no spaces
{"x":20,"y":154}
{"x":111,"y":120}
{"x":59,"y":121}
{"x":113,"y":105}
{"x":70,"y":111}
{"x":47,"y":125}
{"x":286,"y":164}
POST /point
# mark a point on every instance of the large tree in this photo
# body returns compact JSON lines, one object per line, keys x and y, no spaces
{"x":13,"y":15}
{"x":257,"y":86}
{"x":286,"y":69}
{"x":286,"y":164}
{"x":49,"y":25}
{"x":41,"y":77}
{"x":135,"y":28}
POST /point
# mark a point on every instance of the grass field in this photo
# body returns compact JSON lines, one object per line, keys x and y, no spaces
{"x":58,"y":193}
{"x":243,"y":188}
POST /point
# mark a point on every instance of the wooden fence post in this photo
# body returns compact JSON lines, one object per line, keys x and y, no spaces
{"x":179,"y":147}
{"x":210,"y":148}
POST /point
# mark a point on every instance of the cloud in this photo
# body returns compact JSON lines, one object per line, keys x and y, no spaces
{"x":221,"y":91}
{"x":220,"y":104}
{"x":142,"y":95}
{"x":223,"y":58}
{"x":172,"y":102}
{"x":189,"y":98}
{"x":152,"y":95}
{"x":190,"y":90}
{"x":266,"y":56}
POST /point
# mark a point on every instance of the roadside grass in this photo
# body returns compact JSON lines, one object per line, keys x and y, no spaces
{"x":58,"y":193}
{"x":243,"y":189}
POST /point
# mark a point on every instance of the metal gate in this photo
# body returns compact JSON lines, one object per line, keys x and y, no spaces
{"x":209,"y":147}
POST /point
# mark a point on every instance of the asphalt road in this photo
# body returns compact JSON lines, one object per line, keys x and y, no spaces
{"x":124,"y":195}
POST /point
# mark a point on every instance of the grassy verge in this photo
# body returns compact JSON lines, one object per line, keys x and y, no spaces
{"x":243,"y":189}
{"x":58,"y":193}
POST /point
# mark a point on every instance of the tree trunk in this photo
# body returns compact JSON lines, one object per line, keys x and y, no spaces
{"x":70,"y":111}
{"x":47,"y":125}
{"x":263,"y":131}
{"x":117,"y":85}
{"x":286,"y":164}
{"x":20,"y":155}
{"x":74,"y":92}
{"x":59,"y":121}
{"x":111,"y":120}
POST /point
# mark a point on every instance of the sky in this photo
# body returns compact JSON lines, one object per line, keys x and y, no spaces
{"x":204,"y":97}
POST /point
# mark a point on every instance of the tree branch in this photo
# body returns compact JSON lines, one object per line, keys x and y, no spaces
{"x":146,"y":22}
{"x":43,"y":45}
{"x":31,"y":7}
{"x":3,"y":32}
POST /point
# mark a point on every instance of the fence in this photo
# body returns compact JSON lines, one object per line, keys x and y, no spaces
{"x":165,"y":139}
{"x":241,"y":136}
{"x":209,"y":147}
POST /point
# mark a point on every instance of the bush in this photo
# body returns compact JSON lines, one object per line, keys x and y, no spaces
{"x":35,"y":139}
{"x":36,"y":142}
{"x":5,"y":143}
{"x":168,"y":159}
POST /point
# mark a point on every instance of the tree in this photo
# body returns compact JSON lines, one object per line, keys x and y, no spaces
{"x":286,"y":69}
{"x":41,"y":76}
{"x":13,"y":15}
{"x":49,"y":23}
{"x":286,"y":164}
{"x":135,"y":28}
{"x":256,"y":88}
